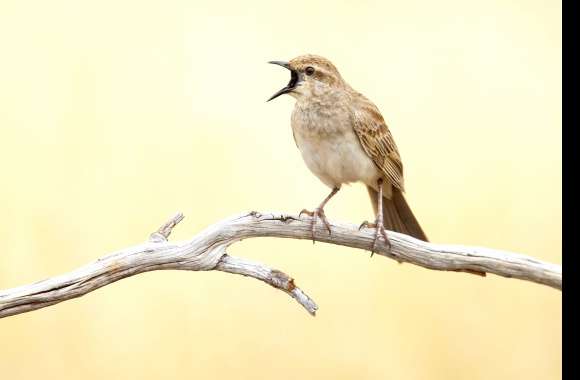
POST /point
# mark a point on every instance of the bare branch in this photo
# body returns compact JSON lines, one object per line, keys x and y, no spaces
{"x":207,"y":251}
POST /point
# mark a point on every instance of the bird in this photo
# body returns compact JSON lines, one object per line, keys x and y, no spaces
{"x":343,"y":139}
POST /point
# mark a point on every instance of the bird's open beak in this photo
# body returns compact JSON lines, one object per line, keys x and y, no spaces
{"x":294,"y":79}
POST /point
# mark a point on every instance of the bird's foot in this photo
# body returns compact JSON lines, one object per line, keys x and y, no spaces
{"x":379,"y":230}
{"x":317,"y":213}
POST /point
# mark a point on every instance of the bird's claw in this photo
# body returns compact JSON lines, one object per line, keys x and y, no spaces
{"x":379,"y":231}
{"x":316,"y":214}
{"x":364,"y":224}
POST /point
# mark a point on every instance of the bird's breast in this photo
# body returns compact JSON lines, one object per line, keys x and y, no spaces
{"x":330,"y":147}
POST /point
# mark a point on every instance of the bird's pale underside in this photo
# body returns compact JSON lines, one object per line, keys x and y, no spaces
{"x":343,"y":138}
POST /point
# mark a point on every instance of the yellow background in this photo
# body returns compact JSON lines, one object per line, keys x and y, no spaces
{"x":116,"y":114}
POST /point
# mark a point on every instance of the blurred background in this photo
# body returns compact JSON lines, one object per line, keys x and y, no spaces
{"x":116,"y":114}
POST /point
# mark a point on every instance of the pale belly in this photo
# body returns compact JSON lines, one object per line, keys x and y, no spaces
{"x":337,"y":157}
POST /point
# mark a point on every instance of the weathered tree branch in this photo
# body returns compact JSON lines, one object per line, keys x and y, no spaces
{"x":207,"y":251}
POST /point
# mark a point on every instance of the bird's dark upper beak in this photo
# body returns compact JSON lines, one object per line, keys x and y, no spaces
{"x":293,"y":79}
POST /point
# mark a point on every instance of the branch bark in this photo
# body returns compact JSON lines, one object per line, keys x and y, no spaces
{"x":207,"y":251}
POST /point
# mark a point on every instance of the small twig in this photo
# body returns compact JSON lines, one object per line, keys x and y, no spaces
{"x":207,"y":251}
{"x":162,"y":234}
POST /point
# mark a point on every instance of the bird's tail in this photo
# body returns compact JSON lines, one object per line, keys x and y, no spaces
{"x":397,"y":215}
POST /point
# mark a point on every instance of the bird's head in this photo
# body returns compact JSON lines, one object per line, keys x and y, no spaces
{"x":310,"y":76}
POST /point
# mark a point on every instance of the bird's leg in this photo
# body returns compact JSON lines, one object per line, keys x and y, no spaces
{"x":319,"y":213}
{"x":378,"y":224}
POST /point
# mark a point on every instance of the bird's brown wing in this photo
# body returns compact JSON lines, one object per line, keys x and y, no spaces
{"x":377,"y":142}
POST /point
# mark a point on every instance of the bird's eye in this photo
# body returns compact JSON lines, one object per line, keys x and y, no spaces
{"x":309,"y":70}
